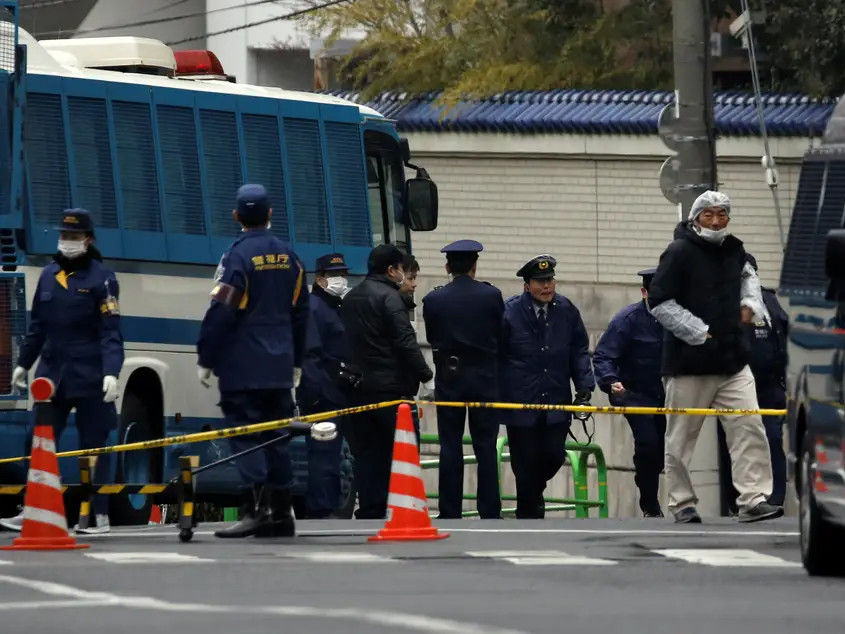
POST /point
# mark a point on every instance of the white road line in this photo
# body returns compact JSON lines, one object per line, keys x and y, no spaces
{"x":541,"y":558}
{"x":3,"y":562}
{"x":728,"y":557}
{"x":551,"y":531}
{"x":339,"y":557}
{"x":392,"y":620}
{"x":148,"y":558}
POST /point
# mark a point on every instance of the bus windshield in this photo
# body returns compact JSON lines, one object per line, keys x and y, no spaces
{"x":385,"y":189}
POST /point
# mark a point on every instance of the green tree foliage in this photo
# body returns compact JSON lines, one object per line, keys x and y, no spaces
{"x":474,"y":48}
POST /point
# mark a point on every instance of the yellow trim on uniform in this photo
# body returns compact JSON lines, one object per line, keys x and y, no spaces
{"x":61,"y":278}
{"x":298,"y":288}
{"x":244,"y":298}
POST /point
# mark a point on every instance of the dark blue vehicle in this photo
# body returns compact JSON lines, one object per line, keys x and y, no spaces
{"x":813,"y":283}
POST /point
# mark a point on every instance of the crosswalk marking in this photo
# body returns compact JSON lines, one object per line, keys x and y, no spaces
{"x":541,"y":558}
{"x":148,"y":558}
{"x":727,"y":557}
{"x":332,"y":557}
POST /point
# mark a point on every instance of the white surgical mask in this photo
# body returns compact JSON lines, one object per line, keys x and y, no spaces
{"x":717,"y":237}
{"x":72,"y":248}
{"x":337,"y":286}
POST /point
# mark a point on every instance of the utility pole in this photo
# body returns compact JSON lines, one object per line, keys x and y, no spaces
{"x":687,"y":127}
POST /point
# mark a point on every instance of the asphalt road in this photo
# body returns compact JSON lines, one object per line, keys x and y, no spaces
{"x":505,"y":577}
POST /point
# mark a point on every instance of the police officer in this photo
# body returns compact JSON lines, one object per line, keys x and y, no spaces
{"x":545,"y":347}
{"x":326,"y":380}
{"x":627,"y":366}
{"x":75,"y":328}
{"x":463,"y":325}
{"x":253,"y":338}
{"x":767,"y":341}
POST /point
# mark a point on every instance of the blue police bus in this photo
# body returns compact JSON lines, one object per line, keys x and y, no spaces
{"x":155,"y":144}
{"x":813,"y":283}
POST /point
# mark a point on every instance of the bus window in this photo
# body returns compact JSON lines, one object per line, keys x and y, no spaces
{"x":385,"y":190}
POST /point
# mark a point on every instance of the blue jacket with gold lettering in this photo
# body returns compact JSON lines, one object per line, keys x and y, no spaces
{"x":75,"y":326}
{"x":253,"y":334}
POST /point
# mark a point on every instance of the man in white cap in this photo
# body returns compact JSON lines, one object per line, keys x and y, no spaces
{"x":702,"y":293}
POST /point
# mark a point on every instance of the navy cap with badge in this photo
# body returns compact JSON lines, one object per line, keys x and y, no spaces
{"x":463,"y":246}
{"x":332,"y":262}
{"x":647,"y":275}
{"x":76,"y":220}
{"x":253,"y":204}
{"x":540,"y":267}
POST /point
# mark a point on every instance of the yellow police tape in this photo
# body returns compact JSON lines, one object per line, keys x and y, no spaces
{"x":314,"y":418}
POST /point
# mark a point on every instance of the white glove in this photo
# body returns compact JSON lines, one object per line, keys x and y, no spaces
{"x":204,"y":375}
{"x":110,"y":389}
{"x":297,"y":377}
{"x":19,"y":378}
{"x":427,"y":391}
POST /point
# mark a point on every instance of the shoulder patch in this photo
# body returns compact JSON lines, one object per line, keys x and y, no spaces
{"x":438,"y":287}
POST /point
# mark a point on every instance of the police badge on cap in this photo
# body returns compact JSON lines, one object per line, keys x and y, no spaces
{"x":541,"y":267}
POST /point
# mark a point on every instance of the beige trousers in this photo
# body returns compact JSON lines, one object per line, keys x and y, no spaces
{"x":751,"y":466}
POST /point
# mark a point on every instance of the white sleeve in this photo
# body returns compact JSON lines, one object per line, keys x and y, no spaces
{"x":752,"y":293}
{"x":681,"y":322}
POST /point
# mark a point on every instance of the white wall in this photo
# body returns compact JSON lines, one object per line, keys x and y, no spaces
{"x":596,"y":205}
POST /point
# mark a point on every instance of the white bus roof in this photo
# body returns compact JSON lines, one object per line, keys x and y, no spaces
{"x":105,"y":52}
{"x":41,"y":60}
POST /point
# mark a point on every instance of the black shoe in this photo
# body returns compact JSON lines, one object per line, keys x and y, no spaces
{"x":653,"y":513}
{"x":687,"y":516}
{"x":256,"y":517}
{"x":282,"y":523}
{"x":763,"y":511}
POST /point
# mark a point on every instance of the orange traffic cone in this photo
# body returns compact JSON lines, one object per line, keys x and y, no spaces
{"x":44,"y":523}
{"x":155,"y":515}
{"x":407,"y":509}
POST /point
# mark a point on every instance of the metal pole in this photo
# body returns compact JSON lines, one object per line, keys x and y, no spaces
{"x":696,"y":146}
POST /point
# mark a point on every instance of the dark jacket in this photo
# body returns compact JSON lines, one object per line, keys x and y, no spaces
{"x":768,"y":358}
{"x":706,"y":279}
{"x":630,"y":352}
{"x":538,"y":367}
{"x":463,"y":324}
{"x":75,"y":326}
{"x":253,"y":334}
{"x":382,"y":342}
{"x":326,"y":350}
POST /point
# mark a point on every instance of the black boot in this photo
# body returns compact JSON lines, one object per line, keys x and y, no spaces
{"x":281,"y":511}
{"x":255,"y":516}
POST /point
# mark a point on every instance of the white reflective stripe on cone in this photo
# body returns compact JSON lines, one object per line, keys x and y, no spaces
{"x":406,"y":502}
{"x":45,"y":517}
{"x":46,"y":478}
{"x":47,"y":444}
{"x":407,"y":437}
{"x":406,"y":468}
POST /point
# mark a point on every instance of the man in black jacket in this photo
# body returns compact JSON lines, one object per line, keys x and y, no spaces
{"x":384,"y":346}
{"x":702,"y":293}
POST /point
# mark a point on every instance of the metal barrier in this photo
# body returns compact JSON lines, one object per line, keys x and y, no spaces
{"x":578,"y":455}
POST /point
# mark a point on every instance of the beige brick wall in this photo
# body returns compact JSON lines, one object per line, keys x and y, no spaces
{"x":603,"y":219}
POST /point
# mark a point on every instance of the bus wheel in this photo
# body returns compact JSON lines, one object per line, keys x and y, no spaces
{"x":133,"y":467}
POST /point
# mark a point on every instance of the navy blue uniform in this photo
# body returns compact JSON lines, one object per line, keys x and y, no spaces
{"x":252,"y":337}
{"x":75,"y":328}
{"x":768,"y":360}
{"x":542,"y":353}
{"x":321,"y":391}
{"x":463,"y":323}
{"x":630,"y":352}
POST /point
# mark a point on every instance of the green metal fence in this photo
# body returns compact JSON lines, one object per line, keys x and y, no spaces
{"x":578,"y":455}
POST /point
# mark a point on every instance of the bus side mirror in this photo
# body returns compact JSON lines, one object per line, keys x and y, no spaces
{"x":421,"y":202}
{"x":834,"y":264}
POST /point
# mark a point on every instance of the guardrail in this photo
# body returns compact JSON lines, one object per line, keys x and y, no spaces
{"x":578,"y":455}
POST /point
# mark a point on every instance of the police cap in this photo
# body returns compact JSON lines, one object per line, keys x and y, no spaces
{"x":253,"y":204}
{"x":76,"y":220}
{"x":462,"y":246}
{"x":541,"y":267}
{"x":647,"y":275}
{"x":332,"y":262}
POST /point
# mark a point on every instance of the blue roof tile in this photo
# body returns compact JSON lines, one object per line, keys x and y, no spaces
{"x":597,"y":112}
